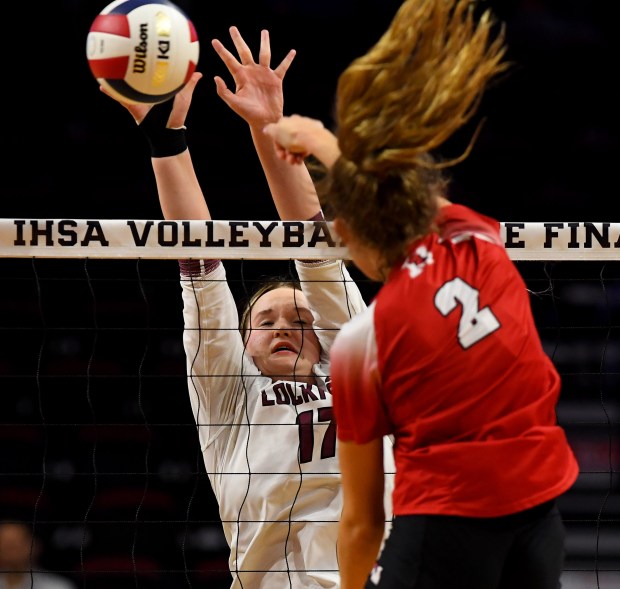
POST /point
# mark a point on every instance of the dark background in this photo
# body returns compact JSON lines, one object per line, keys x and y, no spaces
{"x":547,"y":150}
{"x":97,"y":442}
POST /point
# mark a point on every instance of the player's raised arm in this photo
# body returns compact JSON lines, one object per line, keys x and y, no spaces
{"x":258,"y":99}
{"x":163,"y":125}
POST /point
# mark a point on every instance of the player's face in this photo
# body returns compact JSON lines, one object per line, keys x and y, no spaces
{"x":281,"y":339}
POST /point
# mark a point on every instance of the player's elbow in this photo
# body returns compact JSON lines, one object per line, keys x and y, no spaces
{"x":364,"y":528}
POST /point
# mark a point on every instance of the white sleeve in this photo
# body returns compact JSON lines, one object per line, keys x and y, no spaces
{"x":333,"y":296}
{"x":214,"y":351}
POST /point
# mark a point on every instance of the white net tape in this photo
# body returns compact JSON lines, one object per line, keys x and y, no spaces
{"x":267,"y":240}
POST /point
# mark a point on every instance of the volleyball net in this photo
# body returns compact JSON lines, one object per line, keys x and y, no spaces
{"x":260,"y":240}
{"x":101,"y":455}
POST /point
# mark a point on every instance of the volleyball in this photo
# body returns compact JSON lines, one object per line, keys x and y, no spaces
{"x":142,"y":50}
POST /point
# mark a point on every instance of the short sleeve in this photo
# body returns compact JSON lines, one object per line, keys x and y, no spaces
{"x":356,"y":382}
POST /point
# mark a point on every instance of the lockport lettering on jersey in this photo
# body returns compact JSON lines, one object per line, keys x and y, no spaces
{"x":288,"y":393}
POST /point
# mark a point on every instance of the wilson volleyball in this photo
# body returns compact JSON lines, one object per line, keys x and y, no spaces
{"x":142,"y":50}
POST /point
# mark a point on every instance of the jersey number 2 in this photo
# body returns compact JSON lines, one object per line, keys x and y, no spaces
{"x":305,"y":421}
{"x":475,"y":323}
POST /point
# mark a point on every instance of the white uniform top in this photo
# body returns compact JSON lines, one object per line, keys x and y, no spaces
{"x":270,"y":447}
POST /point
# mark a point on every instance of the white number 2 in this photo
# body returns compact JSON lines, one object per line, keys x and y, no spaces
{"x":475,"y":323}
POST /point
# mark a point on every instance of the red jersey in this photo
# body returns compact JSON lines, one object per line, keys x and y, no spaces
{"x":447,"y":358}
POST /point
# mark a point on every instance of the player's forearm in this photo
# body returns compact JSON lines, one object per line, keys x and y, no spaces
{"x":333,"y":296}
{"x":323,"y":144}
{"x":358,"y":547}
{"x":291,"y":187}
{"x":180,"y":195}
{"x":213,"y":346}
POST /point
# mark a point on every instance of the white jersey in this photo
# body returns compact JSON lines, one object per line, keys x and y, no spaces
{"x":270,"y":447}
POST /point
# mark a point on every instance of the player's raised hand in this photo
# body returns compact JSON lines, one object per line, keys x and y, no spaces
{"x":182,"y":102}
{"x":180,"y":106}
{"x":258,"y":96}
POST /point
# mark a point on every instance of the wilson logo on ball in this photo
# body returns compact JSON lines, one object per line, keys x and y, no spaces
{"x":142,"y":50}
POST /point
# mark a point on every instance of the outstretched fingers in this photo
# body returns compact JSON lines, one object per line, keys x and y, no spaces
{"x":264,"y":54}
{"x":222,"y":90}
{"x":281,"y":70}
{"x":182,"y":102}
{"x":230,"y":61}
{"x":245,"y":54}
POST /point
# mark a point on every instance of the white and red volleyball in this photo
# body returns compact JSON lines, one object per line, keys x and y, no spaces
{"x":142,"y":50}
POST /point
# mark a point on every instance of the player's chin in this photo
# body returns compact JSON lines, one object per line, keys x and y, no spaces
{"x":293,"y":368}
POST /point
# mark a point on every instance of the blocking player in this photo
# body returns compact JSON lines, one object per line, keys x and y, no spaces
{"x":262,"y":401}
